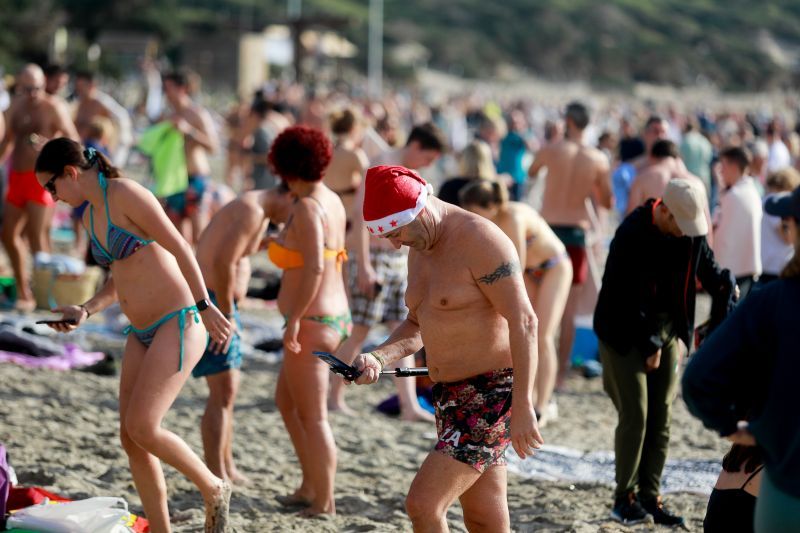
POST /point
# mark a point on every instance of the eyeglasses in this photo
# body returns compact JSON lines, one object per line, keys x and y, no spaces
{"x":30,"y":89}
{"x":50,"y":186}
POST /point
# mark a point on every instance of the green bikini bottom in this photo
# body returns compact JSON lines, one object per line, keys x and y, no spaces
{"x":341,"y":324}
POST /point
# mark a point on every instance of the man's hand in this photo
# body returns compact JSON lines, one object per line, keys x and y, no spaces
{"x":525,"y":437}
{"x":369,"y":367}
{"x":742,"y":435}
{"x":366,"y":278}
{"x":653,"y":362}
{"x":221,"y":348}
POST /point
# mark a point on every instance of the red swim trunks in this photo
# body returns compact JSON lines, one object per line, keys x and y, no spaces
{"x":473,"y":418}
{"x":574,"y":239}
{"x":23,"y":188}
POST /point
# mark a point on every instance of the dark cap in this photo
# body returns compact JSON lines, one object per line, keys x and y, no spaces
{"x":784,"y":205}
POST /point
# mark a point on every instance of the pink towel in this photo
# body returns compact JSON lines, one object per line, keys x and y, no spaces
{"x":73,"y":357}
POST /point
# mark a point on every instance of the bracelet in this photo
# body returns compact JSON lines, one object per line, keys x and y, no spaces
{"x":381,"y":360}
{"x":88,"y":314}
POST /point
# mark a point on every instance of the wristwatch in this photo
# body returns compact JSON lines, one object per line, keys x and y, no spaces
{"x":203,"y":304}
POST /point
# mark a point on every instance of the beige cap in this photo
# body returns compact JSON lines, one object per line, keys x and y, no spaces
{"x":686,"y":201}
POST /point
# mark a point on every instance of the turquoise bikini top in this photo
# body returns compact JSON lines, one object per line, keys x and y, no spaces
{"x":121,"y":243}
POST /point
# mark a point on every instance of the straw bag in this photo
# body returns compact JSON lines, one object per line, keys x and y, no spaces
{"x":52,"y":288}
{"x":93,"y":515}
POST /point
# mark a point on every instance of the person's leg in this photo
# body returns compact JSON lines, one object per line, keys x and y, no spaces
{"x":439,"y":481}
{"x":40,"y":220}
{"x":154,"y":391}
{"x":661,"y":388}
{"x":485,"y":503}
{"x":14,"y":219}
{"x":148,"y":477}
{"x":196,"y":207}
{"x":217,"y":422}
{"x":284,"y":401}
{"x":624,"y":380}
{"x":410,"y":409}
{"x":567,"y":337}
{"x":549,"y":303}
{"x":307,"y":380}
{"x":347,"y":352}
{"x":230,"y":465}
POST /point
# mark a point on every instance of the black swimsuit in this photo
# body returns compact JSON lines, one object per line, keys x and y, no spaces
{"x":731,"y":509}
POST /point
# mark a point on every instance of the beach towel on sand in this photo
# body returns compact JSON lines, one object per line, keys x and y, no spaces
{"x":164,"y":145}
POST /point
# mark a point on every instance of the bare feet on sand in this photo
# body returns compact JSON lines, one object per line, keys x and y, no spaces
{"x":314,"y":511}
{"x":340,"y":407}
{"x":238,"y":479}
{"x":217,"y":510}
{"x":296,"y":499}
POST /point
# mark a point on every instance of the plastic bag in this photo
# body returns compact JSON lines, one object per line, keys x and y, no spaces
{"x":93,"y":515}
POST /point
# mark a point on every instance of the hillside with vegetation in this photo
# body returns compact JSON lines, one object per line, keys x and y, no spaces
{"x":733,"y":44}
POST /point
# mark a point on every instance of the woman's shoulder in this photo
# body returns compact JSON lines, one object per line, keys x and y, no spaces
{"x":124,"y":191}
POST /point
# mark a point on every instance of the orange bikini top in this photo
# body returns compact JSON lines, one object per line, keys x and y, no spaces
{"x":286,"y":258}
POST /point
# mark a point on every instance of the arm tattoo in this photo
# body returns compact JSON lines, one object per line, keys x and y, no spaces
{"x":503,"y":271}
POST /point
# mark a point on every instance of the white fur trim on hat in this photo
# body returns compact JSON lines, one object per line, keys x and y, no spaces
{"x":397,"y":220}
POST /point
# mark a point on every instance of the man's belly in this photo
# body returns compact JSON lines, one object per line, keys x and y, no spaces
{"x":460,"y":344}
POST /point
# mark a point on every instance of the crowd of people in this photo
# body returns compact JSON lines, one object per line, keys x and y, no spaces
{"x":482,"y":213}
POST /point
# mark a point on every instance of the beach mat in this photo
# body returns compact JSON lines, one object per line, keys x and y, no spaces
{"x":557,"y":463}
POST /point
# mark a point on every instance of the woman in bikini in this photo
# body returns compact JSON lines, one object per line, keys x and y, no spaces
{"x":159,"y":286}
{"x":349,"y":162}
{"x":313,"y":302}
{"x":548,"y":273}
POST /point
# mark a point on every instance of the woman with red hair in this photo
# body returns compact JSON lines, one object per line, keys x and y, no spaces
{"x":313,"y":302}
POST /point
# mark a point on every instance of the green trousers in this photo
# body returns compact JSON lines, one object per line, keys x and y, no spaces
{"x":644,"y":403}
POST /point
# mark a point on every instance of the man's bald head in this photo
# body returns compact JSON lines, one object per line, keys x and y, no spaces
{"x":30,"y":81}
{"x":31,"y":72}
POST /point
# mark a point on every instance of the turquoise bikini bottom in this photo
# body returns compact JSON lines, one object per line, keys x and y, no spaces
{"x":147,"y":334}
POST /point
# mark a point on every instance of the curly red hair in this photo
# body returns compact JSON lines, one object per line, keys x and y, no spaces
{"x":300,"y":153}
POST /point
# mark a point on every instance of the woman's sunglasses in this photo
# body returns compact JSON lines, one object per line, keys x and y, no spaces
{"x":50,"y":186}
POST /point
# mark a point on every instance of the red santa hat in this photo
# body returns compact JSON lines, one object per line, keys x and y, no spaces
{"x":393,"y":197}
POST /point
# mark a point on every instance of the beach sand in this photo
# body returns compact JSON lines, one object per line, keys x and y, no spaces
{"x":61,"y":433}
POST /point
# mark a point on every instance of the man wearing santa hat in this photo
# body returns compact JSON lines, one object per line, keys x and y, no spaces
{"x":468,"y":306}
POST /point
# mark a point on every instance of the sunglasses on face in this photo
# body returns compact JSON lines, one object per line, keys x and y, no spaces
{"x":50,"y":186}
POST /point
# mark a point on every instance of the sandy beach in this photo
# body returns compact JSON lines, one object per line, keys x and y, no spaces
{"x":61,"y":432}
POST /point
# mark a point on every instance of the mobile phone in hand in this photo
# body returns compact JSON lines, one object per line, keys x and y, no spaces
{"x":338,"y":366}
{"x":66,"y":322}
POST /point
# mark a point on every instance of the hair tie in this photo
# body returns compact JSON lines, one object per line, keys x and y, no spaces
{"x":91,"y":155}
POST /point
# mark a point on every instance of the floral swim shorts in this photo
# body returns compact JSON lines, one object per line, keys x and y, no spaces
{"x":473,"y":418}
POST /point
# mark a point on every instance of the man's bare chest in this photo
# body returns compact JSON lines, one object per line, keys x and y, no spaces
{"x":441,"y":285}
{"x":28,"y":120}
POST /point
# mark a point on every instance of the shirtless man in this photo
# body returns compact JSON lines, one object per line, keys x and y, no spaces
{"x":200,"y":140}
{"x":663,"y":164}
{"x":33,"y":118}
{"x":376,"y":273}
{"x":655,"y":129}
{"x":233,"y":234}
{"x":576,"y":172}
{"x":463,"y":272}
{"x":93,"y":103}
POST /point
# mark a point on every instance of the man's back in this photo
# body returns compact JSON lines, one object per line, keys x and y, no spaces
{"x":573,"y":171}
